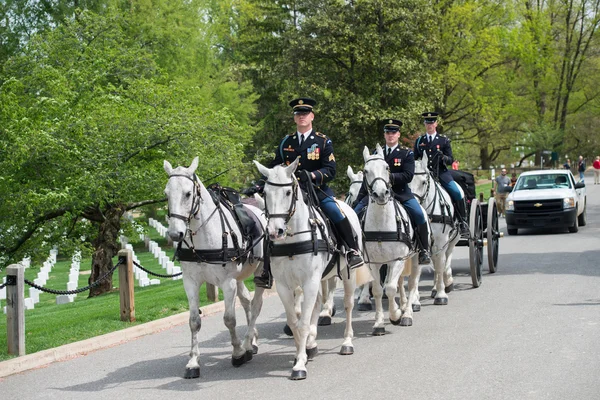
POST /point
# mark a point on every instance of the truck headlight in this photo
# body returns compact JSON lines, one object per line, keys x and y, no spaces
{"x":510,"y":205}
{"x":568,"y":202}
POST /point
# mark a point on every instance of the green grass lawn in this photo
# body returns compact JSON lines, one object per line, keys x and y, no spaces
{"x":50,"y":325}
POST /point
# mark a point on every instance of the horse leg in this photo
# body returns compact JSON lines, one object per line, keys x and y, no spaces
{"x":364,"y":298}
{"x":448,"y":279}
{"x":413,"y":294}
{"x":402,"y":293}
{"x":311,"y":340}
{"x":311,"y":291}
{"x":328,"y":309}
{"x":413,"y":284}
{"x":238,"y":356}
{"x":378,"y":327}
{"x":391,"y":288}
{"x":297,"y":308}
{"x":191,"y":285}
{"x":252,"y":308}
{"x":349,"y":287}
{"x":439,"y":264}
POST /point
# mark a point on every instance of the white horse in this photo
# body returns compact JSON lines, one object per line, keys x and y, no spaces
{"x":439,"y":208}
{"x":213,"y":250}
{"x":301,"y":251}
{"x":388,"y":240}
{"x":364,"y":296}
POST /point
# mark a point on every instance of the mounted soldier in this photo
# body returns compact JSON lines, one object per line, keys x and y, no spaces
{"x":316,"y":167}
{"x":402,"y":166}
{"x":439,"y":155}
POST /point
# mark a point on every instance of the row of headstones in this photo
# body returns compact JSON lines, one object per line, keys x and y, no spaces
{"x":141,"y":275}
{"x":73,"y":280}
{"x":40,"y":280}
{"x":160,"y":228}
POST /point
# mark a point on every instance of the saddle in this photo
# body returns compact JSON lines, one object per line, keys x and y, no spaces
{"x":247,"y":221}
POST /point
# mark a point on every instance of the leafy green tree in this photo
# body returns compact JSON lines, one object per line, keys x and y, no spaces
{"x":86,"y":117}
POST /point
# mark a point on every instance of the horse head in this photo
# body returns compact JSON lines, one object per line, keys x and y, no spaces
{"x":281,"y":197}
{"x":356,"y":181}
{"x":183,"y":197}
{"x":421,"y":180}
{"x":377,"y":175}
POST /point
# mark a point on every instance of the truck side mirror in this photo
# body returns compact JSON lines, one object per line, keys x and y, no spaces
{"x":579,"y":185}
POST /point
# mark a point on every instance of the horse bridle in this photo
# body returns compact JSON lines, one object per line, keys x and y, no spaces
{"x":348,"y":195}
{"x":370,"y":185}
{"x":422,"y":198}
{"x":196,"y":198}
{"x":292,"y":209}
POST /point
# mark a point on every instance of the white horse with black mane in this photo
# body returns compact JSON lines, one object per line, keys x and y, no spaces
{"x":301,"y":250}
{"x":439,"y":208}
{"x":213,"y":249}
{"x":388,"y":236}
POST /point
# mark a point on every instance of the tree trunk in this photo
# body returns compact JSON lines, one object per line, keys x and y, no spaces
{"x":106,"y":247}
{"x":484,"y":157}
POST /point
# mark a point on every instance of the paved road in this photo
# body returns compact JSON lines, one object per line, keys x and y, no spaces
{"x":531,"y":331}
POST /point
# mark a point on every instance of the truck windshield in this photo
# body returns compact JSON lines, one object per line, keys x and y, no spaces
{"x":546,"y":181}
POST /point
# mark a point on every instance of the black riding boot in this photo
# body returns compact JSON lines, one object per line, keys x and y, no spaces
{"x":423,"y":241}
{"x":265,"y":280}
{"x":346,"y":233}
{"x":461,"y":209}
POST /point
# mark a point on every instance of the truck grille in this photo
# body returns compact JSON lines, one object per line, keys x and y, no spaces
{"x":546,"y":206}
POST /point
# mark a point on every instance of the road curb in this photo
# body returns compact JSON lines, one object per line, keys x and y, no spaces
{"x":81,"y":348}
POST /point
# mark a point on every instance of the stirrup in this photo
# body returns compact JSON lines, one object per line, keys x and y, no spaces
{"x":424,"y":258}
{"x":262,"y":281}
{"x":354,"y":259}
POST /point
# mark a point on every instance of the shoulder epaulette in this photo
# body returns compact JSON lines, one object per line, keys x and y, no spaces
{"x":319,"y":134}
{"x":292,"y":134}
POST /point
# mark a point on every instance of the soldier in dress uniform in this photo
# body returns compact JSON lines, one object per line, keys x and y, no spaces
{"x":316,"y":156}
{"x":439,"y":154}
{"x":402,"y":169}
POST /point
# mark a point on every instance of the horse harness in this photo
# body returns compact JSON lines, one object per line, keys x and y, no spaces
{"x":402,"y":225}
{"x":446,"y":216}
{"x":213,"y":256}
{"x":314,"y":244}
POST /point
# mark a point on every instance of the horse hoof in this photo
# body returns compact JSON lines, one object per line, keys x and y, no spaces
{"x":449,"y":288}
{"x":397,"y":322}
{"x":311,"y":353}
{"x":333,"y":310}
{"x":287,"y":330}
{"x":378,"y":331}
{"x":405,"y":321}
{"x":236,"y":362}
{"x":255,"y":348}
{"x":324,"y":320}
{"x":440,"y":301}
{"x":433,"y":294}
{"x":416,"y":307}
{"x":364,"y":307}
{"x":192,"y":373}
{"x":248,"y":355}
{"x":298,"y":375}
{"x":347,"y":350}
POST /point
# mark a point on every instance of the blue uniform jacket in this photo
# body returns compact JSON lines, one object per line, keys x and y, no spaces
{"x":402,"y":170}
{"x":437,"y":164}
{"x":316,"y":156}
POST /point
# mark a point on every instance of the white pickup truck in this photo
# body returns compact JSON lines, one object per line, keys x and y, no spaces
{"x":546,"y":199}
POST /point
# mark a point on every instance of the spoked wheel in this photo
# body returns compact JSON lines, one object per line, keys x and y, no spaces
{"x":475,"y":242}
{"x":493,"y":234}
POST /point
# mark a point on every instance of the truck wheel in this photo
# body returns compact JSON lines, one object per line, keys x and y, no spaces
{"x":575,"y":226}
{"x":582,"y":217}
